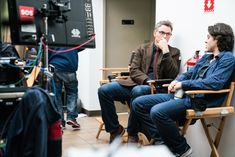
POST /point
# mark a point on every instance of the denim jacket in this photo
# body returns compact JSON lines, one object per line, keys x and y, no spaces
{"x":216,"y":77}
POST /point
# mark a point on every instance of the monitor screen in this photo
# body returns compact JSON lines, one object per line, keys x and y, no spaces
{"x":69,"y":22}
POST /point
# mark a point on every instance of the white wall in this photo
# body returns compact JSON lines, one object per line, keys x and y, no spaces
{"x":90,"y":61}
{"x":190,"y":22}
{"x":189,"y":34}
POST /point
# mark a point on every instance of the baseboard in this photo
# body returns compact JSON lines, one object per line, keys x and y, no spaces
{"x":93,"y":113}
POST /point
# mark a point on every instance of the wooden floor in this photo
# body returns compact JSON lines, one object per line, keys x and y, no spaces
{"x":86,"y":136}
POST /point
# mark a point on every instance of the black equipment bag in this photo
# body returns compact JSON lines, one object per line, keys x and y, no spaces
{"x":8,"y":50}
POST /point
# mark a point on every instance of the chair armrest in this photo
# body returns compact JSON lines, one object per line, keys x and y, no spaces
{"x":103,"y":82}
{"x":210,"y":112}
{"x":114,"y":69}
{"x":158,"y":84}
{"x":109,"y":73}
{"x":193,"y":92}
{"x":151,"y":81}
{"x":121,"y":73}
{"x":122,"y":77}
{"x":125,"y":73}
{"x":165,"y":85}
{"x":160,"y":81}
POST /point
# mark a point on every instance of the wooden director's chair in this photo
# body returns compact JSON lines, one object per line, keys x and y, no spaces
{"x":108,"y":75}
{"x":122,"y":73}
{"x":221,"y":113}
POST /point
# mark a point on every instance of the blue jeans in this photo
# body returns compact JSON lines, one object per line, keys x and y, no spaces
{"x":157,"y":114}
{"x":70,"y":83}
{"x":108,"y":93}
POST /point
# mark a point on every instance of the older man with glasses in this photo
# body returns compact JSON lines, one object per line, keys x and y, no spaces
{"x":155,"y":60}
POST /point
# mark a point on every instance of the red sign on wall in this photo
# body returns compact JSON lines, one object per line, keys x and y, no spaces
{"x":208,"y":5}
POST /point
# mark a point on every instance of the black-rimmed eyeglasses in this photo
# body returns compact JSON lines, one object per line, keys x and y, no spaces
{"x":165,"y":33}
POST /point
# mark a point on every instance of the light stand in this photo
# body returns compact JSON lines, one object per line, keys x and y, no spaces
{"x":58,"y":15}
{"x":46,"y":75}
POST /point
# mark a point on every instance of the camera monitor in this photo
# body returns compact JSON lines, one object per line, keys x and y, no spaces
{"x":70,"y":22}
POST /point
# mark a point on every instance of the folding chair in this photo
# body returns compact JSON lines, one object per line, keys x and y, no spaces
{"x":154,"y":86}
{"x":108,"y":75}
{"x":221,"y":113}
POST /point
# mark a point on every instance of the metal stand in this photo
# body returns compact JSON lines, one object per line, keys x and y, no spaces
{"x":46,"y":74}
{"x":58,"y":15}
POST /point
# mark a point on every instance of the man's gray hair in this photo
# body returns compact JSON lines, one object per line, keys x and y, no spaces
{"x":165,"y":22}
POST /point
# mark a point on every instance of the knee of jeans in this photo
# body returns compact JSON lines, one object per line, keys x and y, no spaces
{"x":156,"y":115}
{"x":101,"y":90}
{"x":137,"y":91}
{"x":132,"y":105}
{"x":136,"y":105}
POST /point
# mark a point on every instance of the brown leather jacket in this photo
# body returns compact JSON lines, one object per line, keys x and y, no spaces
{"x":168,"y":67}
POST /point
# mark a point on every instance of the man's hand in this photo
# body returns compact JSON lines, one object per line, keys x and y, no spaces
{"x":174,"y":85}
{"x":163,"y":45}
{"x":177,"y":86}
{"x":171,"y":86}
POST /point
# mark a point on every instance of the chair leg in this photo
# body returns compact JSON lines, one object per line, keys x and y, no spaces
{"x":143,"y":140}
{"x":213,"y":147}
{"x":185,"y":127}
{"x":219,"y":133}
{"x":100,"y":129}
{"x":99,"y":119}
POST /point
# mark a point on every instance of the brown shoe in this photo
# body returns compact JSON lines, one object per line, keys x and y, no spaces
{"x":118,"y":133}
